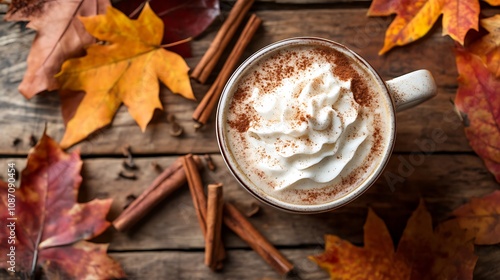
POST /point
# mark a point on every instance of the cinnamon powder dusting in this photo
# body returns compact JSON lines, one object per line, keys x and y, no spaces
{"x":241,"y":124}
{"x":345,"y":71}
{"x":242,"y":121}
{"x":378,"y":142}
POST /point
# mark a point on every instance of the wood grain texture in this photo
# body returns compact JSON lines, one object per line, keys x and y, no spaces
{"x":21,"y":118}
{"x":242,"y":264}
{"x":245,"y":264}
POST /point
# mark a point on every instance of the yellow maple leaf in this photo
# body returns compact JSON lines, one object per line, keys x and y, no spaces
{"x":493,"y":2}
{"x":415,"y":18}
{"x":488,"y":47}
{"x":126,"y":68}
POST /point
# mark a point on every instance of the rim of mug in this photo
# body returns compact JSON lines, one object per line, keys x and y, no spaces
{"x":240,"y":176}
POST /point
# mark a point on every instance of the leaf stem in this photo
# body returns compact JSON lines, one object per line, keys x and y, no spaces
{"x":37,"y":242}
{"x":40,"y":233}
{"x":136,"y":11}
{"x":177,"y":43}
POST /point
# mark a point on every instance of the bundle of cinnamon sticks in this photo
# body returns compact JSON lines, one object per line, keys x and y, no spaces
{"x":207,"y":63}
{"x":211,"y":211}
{"x":209,"y":60}
{"x":210,"y":225}
{"x":211,"y":215}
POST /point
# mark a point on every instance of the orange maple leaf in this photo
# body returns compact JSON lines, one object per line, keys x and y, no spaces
{"x":482,"y":217}
{"x":423,"y":253}
{"x":377,"y":260}
{"x":49,"y":225}
{"x":124,"y":69}
{"x":415,"y":18}
{"x":478,"y":100}
{"x":60,"y":35}
{"x":488,"y":47}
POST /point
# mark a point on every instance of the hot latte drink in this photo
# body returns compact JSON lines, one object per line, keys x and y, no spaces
{"x":307,"y":124}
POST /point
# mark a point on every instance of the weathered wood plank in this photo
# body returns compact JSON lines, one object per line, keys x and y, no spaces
{"x":20,"y":118}
{"x":247,"y":265}
{"x":240,"y":264}
{"x":444,"y":181}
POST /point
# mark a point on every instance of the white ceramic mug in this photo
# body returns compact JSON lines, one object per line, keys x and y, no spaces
{"x":403,"y":92}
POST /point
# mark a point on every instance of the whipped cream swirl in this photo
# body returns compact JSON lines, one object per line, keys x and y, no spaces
{"x":308,"y":128}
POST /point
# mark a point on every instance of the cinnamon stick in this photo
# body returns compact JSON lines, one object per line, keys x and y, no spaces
{"x":214,"y":224}
{"x":167,"y":182}
{"x":196,"y":188}
{"x":235,"y":220}
{"x":207,"y":104}
{"x":207,"y":63}
{"x":200,"y":202}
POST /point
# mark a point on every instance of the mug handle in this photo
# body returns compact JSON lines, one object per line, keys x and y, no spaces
{"x":412,"y":89}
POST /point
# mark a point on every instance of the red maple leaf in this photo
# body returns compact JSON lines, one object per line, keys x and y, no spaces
{"x":47,"y":226}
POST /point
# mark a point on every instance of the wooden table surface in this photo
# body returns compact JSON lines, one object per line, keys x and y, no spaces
{"x":168,"y":243}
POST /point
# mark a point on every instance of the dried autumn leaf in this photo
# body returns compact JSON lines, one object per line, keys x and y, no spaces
{"x":124,"y":69}
{"x":423,"y":253}
{"x":488,"y":47}
{"x":478,"y":99}
{"x":415,"y":18}
{"x":182,"y":19}
{"x":60,"y":35}
{"x":482,"y":217}
{"x":346,"y":261}
{"x":50,"y":227}
{"x":447,"y":252}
